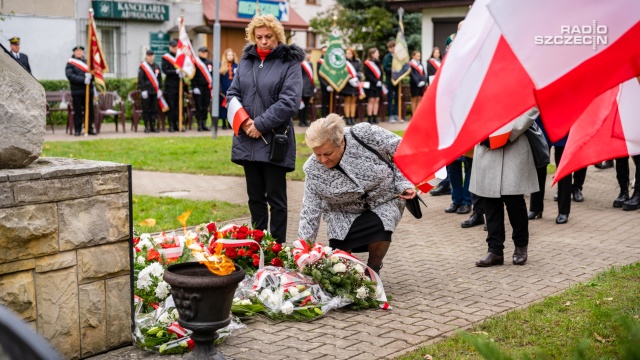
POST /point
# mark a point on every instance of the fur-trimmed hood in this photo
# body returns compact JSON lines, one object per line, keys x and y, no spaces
{"x":284,"y":52}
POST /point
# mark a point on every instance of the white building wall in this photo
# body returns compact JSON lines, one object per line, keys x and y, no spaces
{"x":307,"y":12}
{"x":427,"y":24}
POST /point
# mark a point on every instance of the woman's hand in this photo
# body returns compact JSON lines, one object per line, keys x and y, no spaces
{"x":408,"y":194}
{"x":253,"y":131}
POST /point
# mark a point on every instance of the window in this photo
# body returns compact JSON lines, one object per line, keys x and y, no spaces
{"x":110,"y":41}
{"x":311,"y":40}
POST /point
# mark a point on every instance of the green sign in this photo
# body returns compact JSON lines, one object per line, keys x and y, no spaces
{"x":159,"y":44}
{"x":132,"y":11}
{"x":247,"y":9}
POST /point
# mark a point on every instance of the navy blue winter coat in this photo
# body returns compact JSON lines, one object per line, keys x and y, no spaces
{"x":279,"y":84}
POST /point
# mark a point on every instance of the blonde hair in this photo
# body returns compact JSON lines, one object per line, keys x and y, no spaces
{"x":224,"y":68}
{"x":325,"y":130}
{"x":269,"y":21}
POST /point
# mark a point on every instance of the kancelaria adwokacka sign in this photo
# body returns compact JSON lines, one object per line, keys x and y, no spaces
{"x":131,"y":11}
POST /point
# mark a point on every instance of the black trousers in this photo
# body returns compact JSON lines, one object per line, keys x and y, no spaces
{"x":302,"y":113}
{"x":622,"y":171}
{"x":78,"y":111}
{"x":267,"y":190}
{"x":565,"y":186}
{"x":149,"y":110}
{"x":172,"y":100}
{"x":326,"y":98}
{"x":478,"y":204}
{"x":517,"y":212}
{"x":202,"y":102}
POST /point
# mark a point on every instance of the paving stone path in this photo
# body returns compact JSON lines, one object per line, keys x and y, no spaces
{"x":429,"y":271}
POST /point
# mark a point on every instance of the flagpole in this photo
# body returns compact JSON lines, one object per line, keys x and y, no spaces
{"x":87,"y":87}
{"x":331,"y":93}
{"x":180,"y":89}
{"x":400,"y":12}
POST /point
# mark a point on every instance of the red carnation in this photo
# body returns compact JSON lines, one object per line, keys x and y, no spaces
{"x":136,"y":241}
{"x":276,"y":262}
{"x":256,"y":262}
{"x":191,"y":344}
{"x":250,"y":253}
{"x":258,"y":235}
{"x":153,"y":255}
{"x":242,"y":252}
{"x":254,"y":247}
{"x":231,"y":253}
{"x":136,"y":248}
{"x":242,"y":233}
{"x":276,"y":248}
{"x":212,"y":227}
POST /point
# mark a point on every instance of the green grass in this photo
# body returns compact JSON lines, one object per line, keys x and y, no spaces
{"x":165,"y":211}
{"x":595,"y":320}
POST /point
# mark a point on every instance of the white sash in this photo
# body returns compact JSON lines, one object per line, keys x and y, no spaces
{"x":79,"y":64}
{"x":374,"y":68}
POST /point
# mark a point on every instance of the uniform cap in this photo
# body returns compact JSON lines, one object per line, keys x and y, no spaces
{"x":149,"y":52}
{"x":14,"y":40}
{"x":203,"y":49}
{"x":173,"y":42}
{"x":78,"y":47}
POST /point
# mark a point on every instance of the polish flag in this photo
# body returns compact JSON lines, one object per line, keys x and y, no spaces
{"x":500,"y":137}
{"x":466,"y":100}
{"x":608,"y":129}
{"x":236,"y":114}
{"x":432,"y":181}
{"x":185,"y":58}
{"x":573,"y":50}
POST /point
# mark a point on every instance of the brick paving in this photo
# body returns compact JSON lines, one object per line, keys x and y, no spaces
{"x":429,"y":271}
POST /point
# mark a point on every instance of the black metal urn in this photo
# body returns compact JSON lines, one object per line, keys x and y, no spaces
{"x":203,"y":301}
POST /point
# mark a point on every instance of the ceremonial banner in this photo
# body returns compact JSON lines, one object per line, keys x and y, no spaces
{"x":334,"y":69}
{"x":185,"y":56}
{"x":95,"y":59}
{"x":400,"y":64}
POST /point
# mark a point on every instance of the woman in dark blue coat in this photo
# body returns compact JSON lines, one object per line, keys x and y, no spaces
{"x":268,"y":84}
{"x":228,"y":67}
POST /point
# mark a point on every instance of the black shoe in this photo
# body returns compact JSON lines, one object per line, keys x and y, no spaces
{"x":490,"y":259}
{"x":463,"y":209}
{"x":440,"y":190}
{"x":555,"y":197}
{"x":634,"y":202}
{"x":577,"y":195}
{"x":171,"y":129}
{"x":204,"y":126}
{"x":604,"y":165}
{"x":622,"y":197}
{"x":452,"y":208}
{"x":520,"y":255}
{"x":534,"y":215}
{"x":77,"y":133}
{"x":562,"y":218}
{"x":146,"y":130}
{"x":474,"y":220}
{"x":92,"y":132}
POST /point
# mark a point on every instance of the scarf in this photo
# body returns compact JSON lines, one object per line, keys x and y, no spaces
{"x":262,"y":53}
{"x":230,"y":70}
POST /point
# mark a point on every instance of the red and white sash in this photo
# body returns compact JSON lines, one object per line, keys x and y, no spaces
{"x":308,"y":69}
{"x":416,"y":65}
{"x":374,"y":68}
{"x":354,"y":75}
{"x":205,"y":71}
{"x":435,"y":64}
{"x":152,"y":76}
{"x":79,"y":64}
{"x":170,"y":59}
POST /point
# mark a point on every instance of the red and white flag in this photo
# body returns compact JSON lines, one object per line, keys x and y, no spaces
{"x":608,"y":129}
{"x":466,"y":100}
{"x":432,"y":181}
{"x":236,"y":114}
{"x":500,"y":137}
{"x":185,"y":56}
{"x":573,"y":50}
{"x":95,"y":58}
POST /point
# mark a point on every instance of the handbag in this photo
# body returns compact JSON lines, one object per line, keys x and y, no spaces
{"x":413,"y":205}
{"x":539,"y":146}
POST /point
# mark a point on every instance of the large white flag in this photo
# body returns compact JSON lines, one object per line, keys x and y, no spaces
{"x":185,"y":56}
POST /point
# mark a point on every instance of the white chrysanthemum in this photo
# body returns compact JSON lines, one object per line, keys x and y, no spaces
{"x":165,"y":318}
{"x":145,"y":244}
{"x":334,"y":259}
{"x":362,"y":293}
{"x":144,"y":280}
{"x":359,"y":269}
{"x":174,"y":314}
{"x":245,"y":302}
{"x":140,"y":260}
{"x":294,"y":291}
{"x":328,"y":250}
{"x":155,"y":269}
{"x":287,"y":308}
{"x":162,"y":290}
{"x":236,"y":301}
{"x":378,"y":292}
{"x":145,"y":236}
{"x":339,"y":267}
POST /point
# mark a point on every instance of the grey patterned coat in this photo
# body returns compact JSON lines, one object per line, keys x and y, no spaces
{"x":331,"y":194}
{"x":509,"y":170}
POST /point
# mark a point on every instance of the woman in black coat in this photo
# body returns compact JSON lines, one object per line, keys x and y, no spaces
{"x":351,"y":91}
{"x":418,"y":80}
{"x":228,"y":67}
{"x":268,"y":84}
{"x":433,"y":65}
{"x":373,"y":84}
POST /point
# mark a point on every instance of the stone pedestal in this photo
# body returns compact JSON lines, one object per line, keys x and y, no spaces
{"x":64,"y":252}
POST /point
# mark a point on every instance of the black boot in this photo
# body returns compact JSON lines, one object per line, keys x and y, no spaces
{"x":623,"y":196}
{"x":375,"y":119}
{"x":147,"y":127}
{"x":204,"y":126}
{"x":172,"y":126}
{"x":634,"y":202}
{"x":370,"y":119}
{"x":152,"y":125}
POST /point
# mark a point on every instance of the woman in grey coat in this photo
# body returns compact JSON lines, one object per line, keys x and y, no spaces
{"x":268,"y":84}
{"x":502,"y":176}
{"x":358,"y":194}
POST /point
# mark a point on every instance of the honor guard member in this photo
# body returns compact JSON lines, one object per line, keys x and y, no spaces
{"x":172,"y":83}
{"x":150,"y":85}
{"x":79,"y":77}
{"x":201,"y":84}
{"x":14,"y":44}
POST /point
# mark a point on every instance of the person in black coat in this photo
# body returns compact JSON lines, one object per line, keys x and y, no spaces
{"x":433,"y":65}
{"x":173,"y":76}
{"x":325,"y":89}
{"x":351,"y":91}
{"x":373,"y":84}
{"x":418,"y":80}
{"x":201,"y":84}
{"x":228,"y":68}
{"x":79,"y":78}
{"x":150,"y":91}
{"x":308,"y":88}
{"x":268,"y":84}
{"x":22,"y":59}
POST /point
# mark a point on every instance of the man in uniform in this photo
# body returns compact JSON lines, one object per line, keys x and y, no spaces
{"x":201,"y":84}
{"x":150,"y":84}
{"x":79,"y":77}
{"x":392,"y":95}
{"x":14,"y":43}
{"x":172,"y":84}
{"x":325,"y":89}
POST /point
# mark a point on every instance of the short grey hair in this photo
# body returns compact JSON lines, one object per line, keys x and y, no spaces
{"x":329,"y":129}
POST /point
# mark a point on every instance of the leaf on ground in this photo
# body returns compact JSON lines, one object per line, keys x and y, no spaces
{"x":148,"y":222}
{"x":608,"y":299}
{"x":567,"y":303}
{"x":183,"y":218}
{"x":428,"y":357}
{"x":481,"y":332}
{"x":601,"y":339}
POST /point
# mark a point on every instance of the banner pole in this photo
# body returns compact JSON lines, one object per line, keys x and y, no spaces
{"x":399,"y":100}
{"x":87,"y":87}
{"x":180,"y":107}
